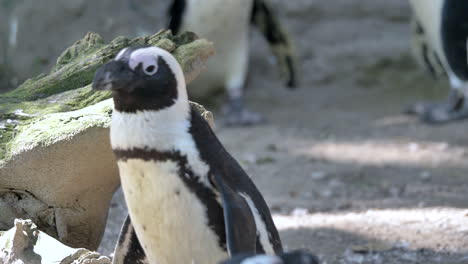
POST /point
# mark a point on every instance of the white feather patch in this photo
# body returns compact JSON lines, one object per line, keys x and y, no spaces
{"x":170,"y":221}
{"x":161,"y":130}
{"x":260,"y":224}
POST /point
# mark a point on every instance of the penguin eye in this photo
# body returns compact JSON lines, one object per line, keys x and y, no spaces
{"x":149,"y":69}
{"x":147,"y":63}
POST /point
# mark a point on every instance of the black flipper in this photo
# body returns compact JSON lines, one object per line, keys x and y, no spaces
{"x":263,"y":17}
{"x":128,"y":249}
{"x":241,"y":232}
{"x":454,"y":31}
{"x":176,"y":13}
{"x":224,"y":166}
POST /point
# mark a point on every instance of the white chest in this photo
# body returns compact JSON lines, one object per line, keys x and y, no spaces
{"x":213,"y":19}
{"x":170,"y":221}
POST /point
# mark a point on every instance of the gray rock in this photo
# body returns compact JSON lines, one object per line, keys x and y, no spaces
{"x":25,"y":244}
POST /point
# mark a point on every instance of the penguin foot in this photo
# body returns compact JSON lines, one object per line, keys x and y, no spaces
{"x":433,"y":113}
{"x":244,"y":117}
{"x":438,"y":113}
{"x":236,"y":114}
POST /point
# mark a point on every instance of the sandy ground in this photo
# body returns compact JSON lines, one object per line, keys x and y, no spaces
{"x":345,"y":173}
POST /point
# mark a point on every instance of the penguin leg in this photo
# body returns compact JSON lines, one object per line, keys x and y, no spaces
{"x":235,"y":111}
{"x":128,"y":249}
{"x":241,"y":231}
{"x":264,"y":19}
{"x":454,"y":108}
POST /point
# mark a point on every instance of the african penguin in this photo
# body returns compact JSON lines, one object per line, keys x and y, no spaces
{"x":293,"y":257}
{"x":226,"y":23}
{"x":440,"y":39}
{"x":189,"y":200}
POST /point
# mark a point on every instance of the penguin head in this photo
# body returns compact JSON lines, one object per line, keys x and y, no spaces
{"x":142,"y":78}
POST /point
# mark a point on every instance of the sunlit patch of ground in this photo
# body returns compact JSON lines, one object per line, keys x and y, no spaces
{"x":438,"y":229}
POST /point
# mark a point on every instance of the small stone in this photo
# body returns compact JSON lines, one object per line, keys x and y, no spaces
{"x":371,"y":247}
{"x":318,"y":175}
{"x":272,"y":147}
{"x":413,"y":147}
{"x":249,"y":158}
{"x":394,"y":192}
{"x":299,"y":212}
{"x":292,"y":194}
{"x":265,"y":160}
{"x":326,"y":193}
{"x":402,"y":245}
{"x":425,"y":176}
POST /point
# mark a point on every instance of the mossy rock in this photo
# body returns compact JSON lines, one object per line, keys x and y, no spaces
{"x":55,"y":157}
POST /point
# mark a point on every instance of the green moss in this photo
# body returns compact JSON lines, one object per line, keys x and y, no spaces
{"x":90,"y":43}
{"x":74,"y":69}
{"x":51,"y":128}
{"x":57,"y":106}
{"x":76,"y":66}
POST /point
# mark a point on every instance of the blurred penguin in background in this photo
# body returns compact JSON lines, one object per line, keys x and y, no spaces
{"x":227,"y":24}
{"x":440,"y":35}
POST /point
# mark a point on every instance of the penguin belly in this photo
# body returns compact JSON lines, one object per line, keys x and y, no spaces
{"x":170,"y":221}
{"x":226,"y":24}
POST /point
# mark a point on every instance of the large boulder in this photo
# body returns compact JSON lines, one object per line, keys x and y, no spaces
{"x":56,"y":164}
{"x":25,"y":244}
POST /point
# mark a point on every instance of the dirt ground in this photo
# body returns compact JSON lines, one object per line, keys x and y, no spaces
{"x":345,"y":173}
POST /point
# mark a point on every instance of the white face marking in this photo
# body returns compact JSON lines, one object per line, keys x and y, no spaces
{"x":262,"y":259}
{"x":120,"y":54}
{"x":169,"y":220}
{"x":261,"y":227}
{"x":147,"y":57}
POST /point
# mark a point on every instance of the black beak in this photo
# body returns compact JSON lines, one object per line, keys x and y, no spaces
{"x":114,"y":75}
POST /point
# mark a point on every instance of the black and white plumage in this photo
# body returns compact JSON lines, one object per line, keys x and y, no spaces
{"x":440,"y":41}
{"x":227,"y":24}
{"x":293,"y":257}
{"x":189,"y":200}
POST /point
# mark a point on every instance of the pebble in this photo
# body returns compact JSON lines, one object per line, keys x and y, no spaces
{"x":318,"y":175}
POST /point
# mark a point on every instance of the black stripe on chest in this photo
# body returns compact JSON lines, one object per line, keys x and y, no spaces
{"x":454,"y":33}
{"x":206,"y":195}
